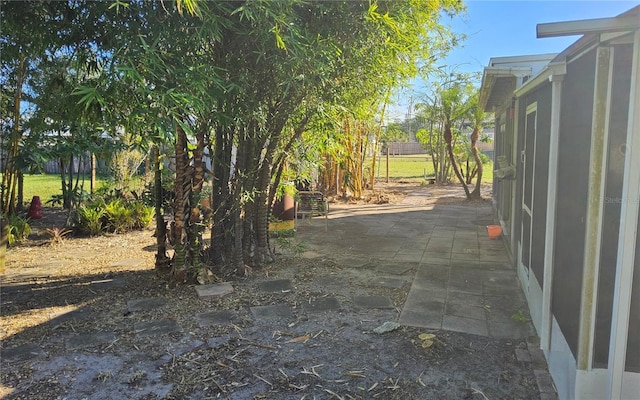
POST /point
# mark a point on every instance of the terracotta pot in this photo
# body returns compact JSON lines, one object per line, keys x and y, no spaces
{"x":494,"y":231}
{"x":283,"y":209}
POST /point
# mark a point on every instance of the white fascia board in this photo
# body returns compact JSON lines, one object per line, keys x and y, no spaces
{"x":582,"y":27}
{"x":523,"y":60}
{"x":508,"y":71}
{"x":557,"y":68}
{"x":489,"y":78}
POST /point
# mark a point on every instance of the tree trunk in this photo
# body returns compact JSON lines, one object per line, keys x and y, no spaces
{"x":162,"y":260}
{"x":474,"y":150}
{"x":20,"y":201}
{"x":237,"y":184}
{"x":63,"y":178}
{"x":220,"y":195}
{"x":263,"y":252}
{"x":198,"y":163}
{"x":448,"y":137}
{"x":93,"y":172}
{"x":181,"y":210}
{"x":9,"y":177}
{"x":68,"y":192}
{"x":377,"y":139}
{"x":196,"y":227}
{"x":4,"y":240}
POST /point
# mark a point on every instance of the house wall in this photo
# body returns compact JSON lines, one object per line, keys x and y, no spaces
{"x":572,"y":194}
{"x":542,"y":97}
{"x":518,"y":141}
{"x":633,"y":339}
{"x":502,"y":192}
{"x":619,"y":112}
{"x":497,"y":192}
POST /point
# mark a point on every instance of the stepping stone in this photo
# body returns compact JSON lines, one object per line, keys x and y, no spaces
{"x":322,"y":304}
{"x":128,"y":262}
{"x":107,"y":284}
{"x":523,"y":355}
{"x":391,"y":283}
{"x":81,"y":314}
{"x":10,"y":289}
{"x":146,"y":304}
{"x":52,"y":265}
{"x":214,"y":318}
{"x":154,"y":328}
{"x":279,"y":285}
{"x":214,"y":290}
{"x":277,"y":311}
{"x":395,"y":269}
{"x":330,"y":281}
{"x":372,"y":302}
{"x":86,"y":254}
{"x":21,"y":353}
{"x":89,"y":340}
{"x":465,"y":325}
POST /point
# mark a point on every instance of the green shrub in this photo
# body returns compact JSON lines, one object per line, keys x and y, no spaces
{"x":119,"y":216}
{"x":90,"y":219}
{"x":141,"y":214}
{"x":19,"y":229}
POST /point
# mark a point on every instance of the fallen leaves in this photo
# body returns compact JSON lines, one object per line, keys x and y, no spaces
{"x":303,"y":338}
{"x":427,"y":339}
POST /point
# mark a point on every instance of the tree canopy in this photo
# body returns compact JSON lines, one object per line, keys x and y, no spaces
{"x":248,"y":83}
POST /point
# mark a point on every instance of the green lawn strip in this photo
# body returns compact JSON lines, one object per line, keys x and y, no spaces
{"x":414,"y":168}
{"x":48,"y":185}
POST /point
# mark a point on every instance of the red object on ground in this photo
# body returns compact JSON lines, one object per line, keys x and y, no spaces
{"x":494,"y":231}
{"x":35,"y":210}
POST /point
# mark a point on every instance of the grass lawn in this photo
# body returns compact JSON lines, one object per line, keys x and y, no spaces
{"x":414,"y":167}
{"x":48,"y":185}
{"x":408,"y":168}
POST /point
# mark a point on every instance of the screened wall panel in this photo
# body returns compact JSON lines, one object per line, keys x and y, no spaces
{"x":619,"y":113}
{"x":573,"y":172}
{"x":541,"y":180}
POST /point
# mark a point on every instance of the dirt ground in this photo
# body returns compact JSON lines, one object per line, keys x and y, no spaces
{"x":52,"y":297}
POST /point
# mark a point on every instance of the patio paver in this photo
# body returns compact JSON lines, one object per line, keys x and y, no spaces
{"x":461,"y":276}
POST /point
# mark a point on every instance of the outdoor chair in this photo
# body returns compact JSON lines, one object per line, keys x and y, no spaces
{"x":311,"y":203}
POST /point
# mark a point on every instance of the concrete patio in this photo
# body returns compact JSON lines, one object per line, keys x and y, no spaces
{"x":463,"y":283}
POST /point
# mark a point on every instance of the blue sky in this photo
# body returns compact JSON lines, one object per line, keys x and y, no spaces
{"x":508,"y":28}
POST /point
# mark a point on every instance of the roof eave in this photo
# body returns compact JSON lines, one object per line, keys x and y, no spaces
{"x":583,"y":27}
{"x":553,"y":69}
{"x":490,"y":75}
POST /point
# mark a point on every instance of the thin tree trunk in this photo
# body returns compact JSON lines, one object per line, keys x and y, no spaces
{"x":9,"y":177}
{"x":198,"y":163}
{"x":4,"y":240}
{"x":20,"y":201}
{"x":63,"y":178}
{"x":237,"y":256}
{"x":162,"y":260}
{"x":474,"y":150}
{"x":263,"y":252}
{"x":93,"y":173}
{"x":448,"y":137}
{"x":67,"y":198}
{"x":377,"y":140}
